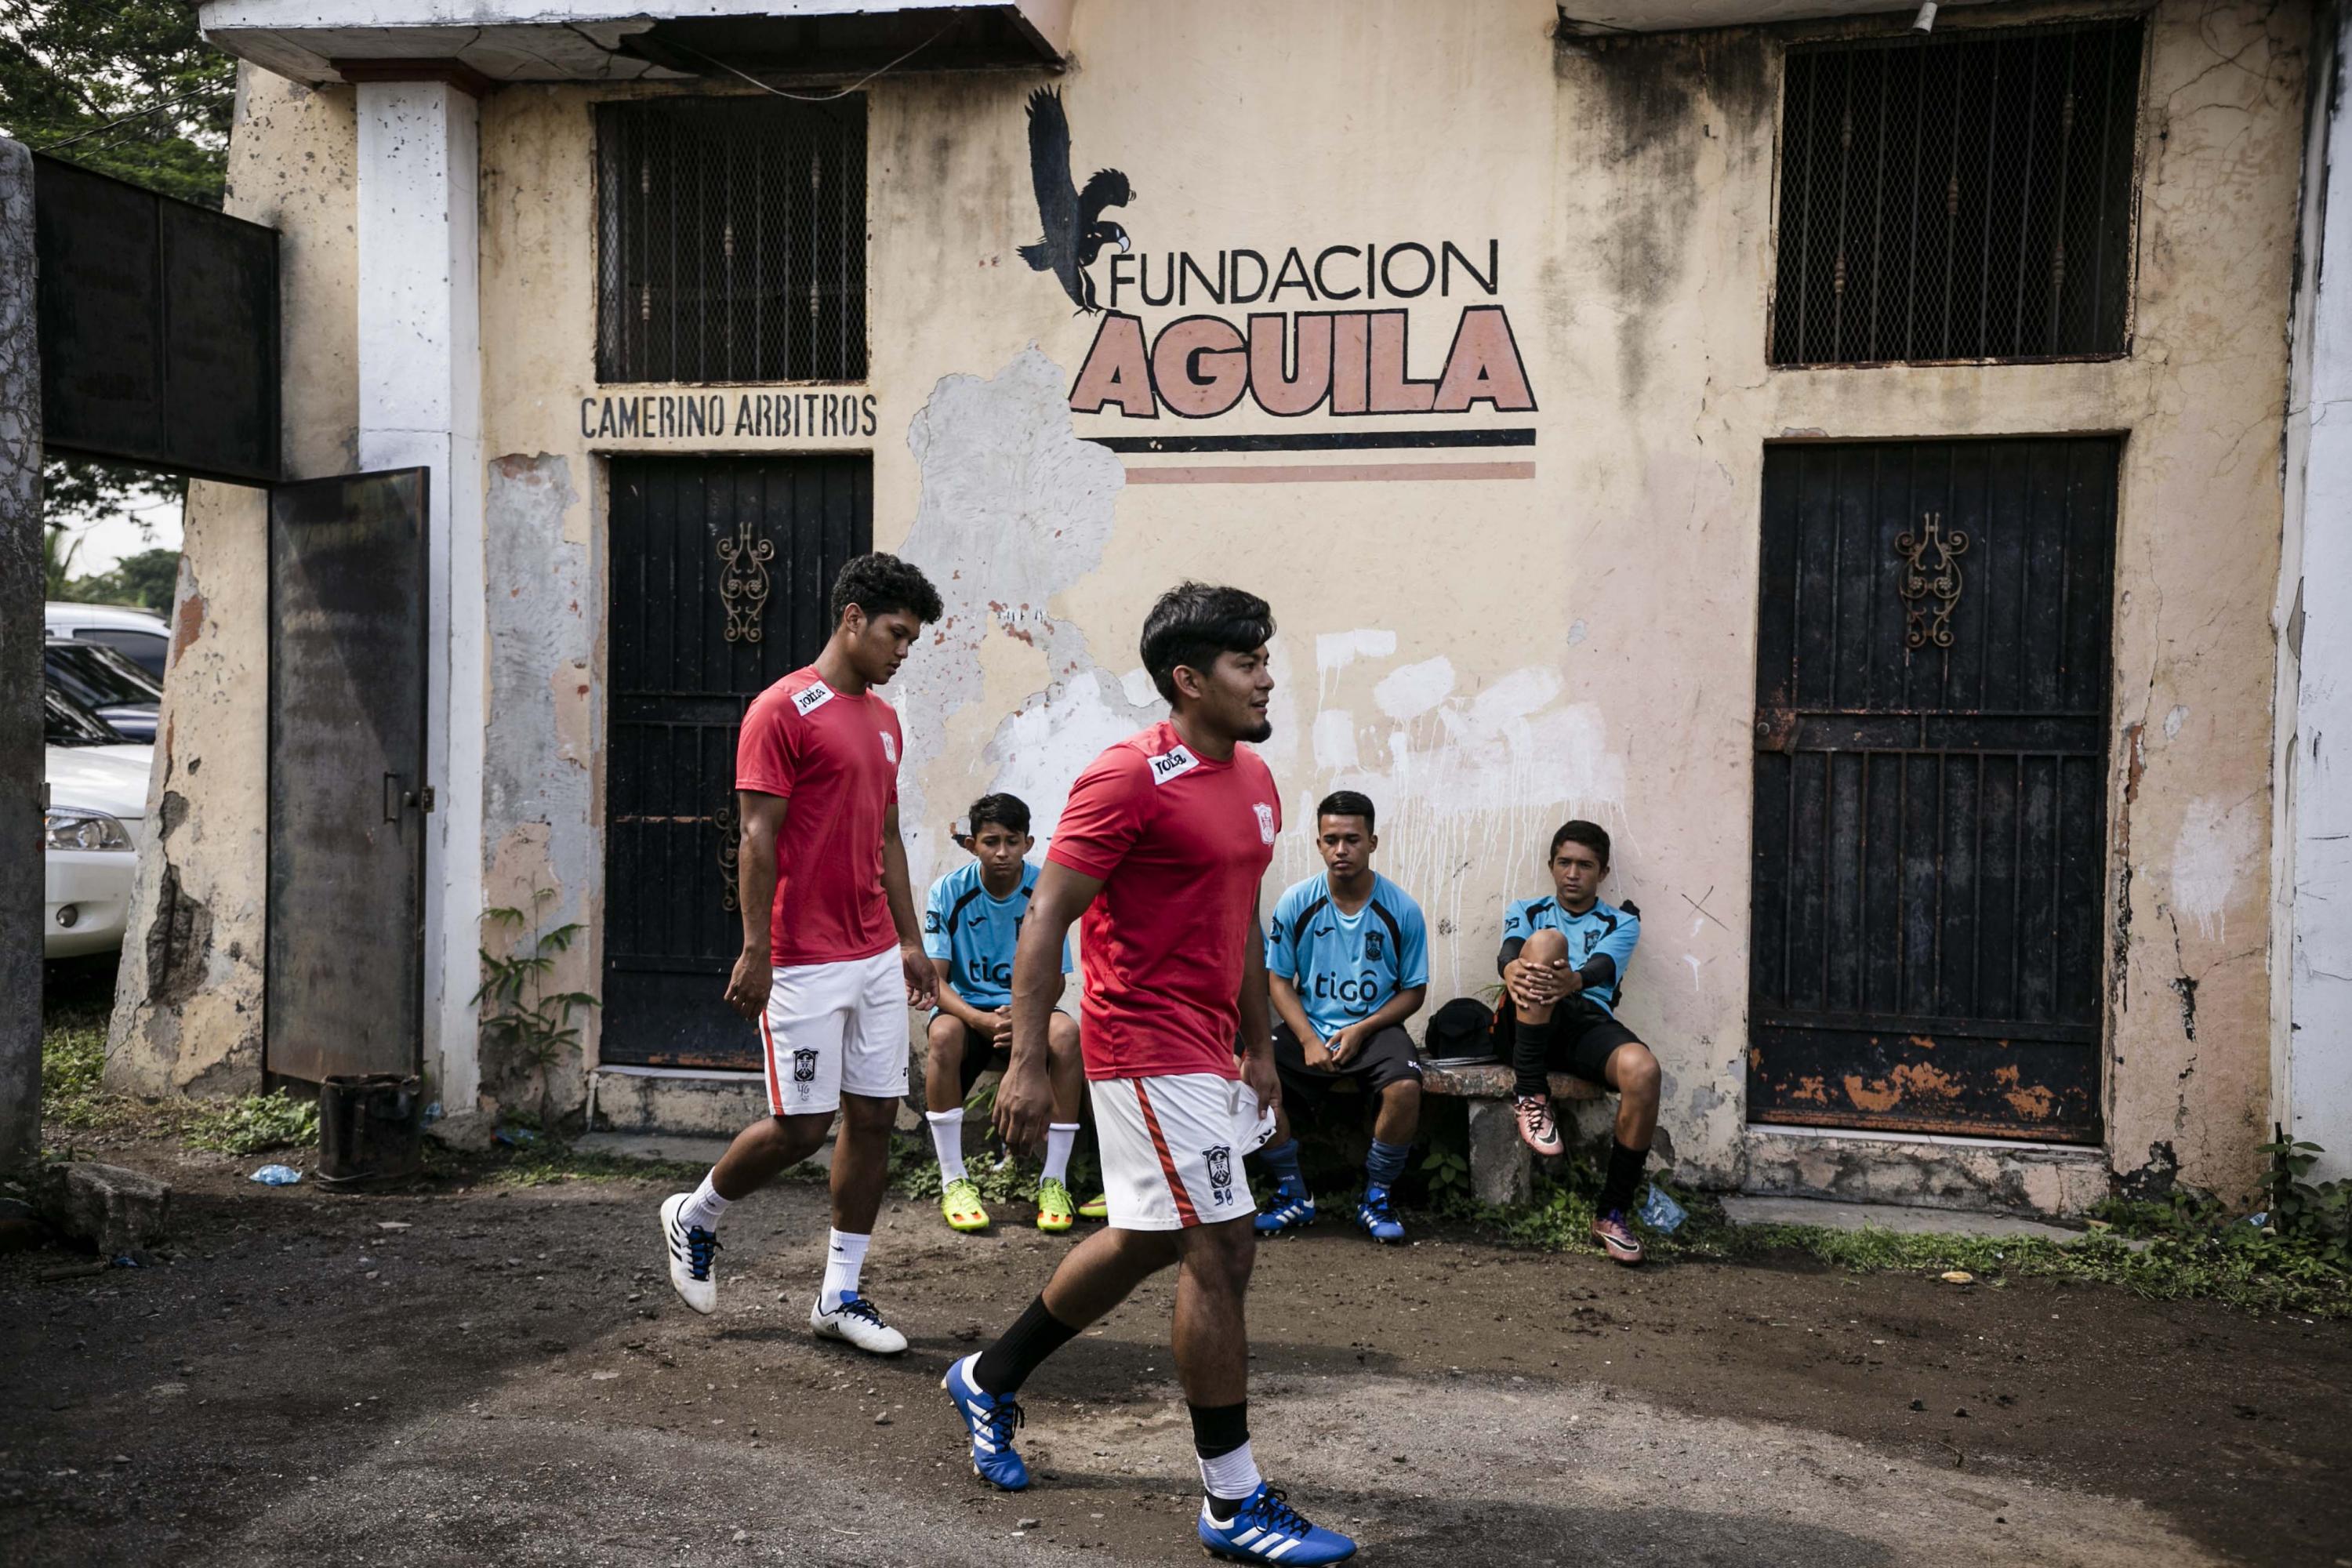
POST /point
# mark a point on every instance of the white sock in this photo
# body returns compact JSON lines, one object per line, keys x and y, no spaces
{"x":1233,"y":1475}
{"x":946,"y":1137}
{"x":845,"y":1257}
{"x":1060,"y":1137}
{"x":704,"y":1208}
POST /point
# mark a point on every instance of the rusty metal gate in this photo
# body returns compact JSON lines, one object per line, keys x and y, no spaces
{"x":1931,"y":759}
{"x":722,"y":571}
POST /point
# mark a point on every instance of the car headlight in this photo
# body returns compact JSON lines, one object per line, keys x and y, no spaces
{"x":65,"y":827}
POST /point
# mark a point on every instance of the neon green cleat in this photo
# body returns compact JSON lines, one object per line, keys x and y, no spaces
{"x":1096,"y":1208}
{"x":1054,"y":1213}
{"x":961,"y":1205}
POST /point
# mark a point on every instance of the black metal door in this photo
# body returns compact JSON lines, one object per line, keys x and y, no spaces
{"x":1931,"y":719}
{"x":344,"y":988}
{"x":721,"y":569}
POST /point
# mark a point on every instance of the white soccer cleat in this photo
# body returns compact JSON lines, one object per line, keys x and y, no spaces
{"x":690,"y":1250}
{"x":856,"y":1321}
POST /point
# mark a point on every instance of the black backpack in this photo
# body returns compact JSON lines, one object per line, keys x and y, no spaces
{"x":1463,"y":1029}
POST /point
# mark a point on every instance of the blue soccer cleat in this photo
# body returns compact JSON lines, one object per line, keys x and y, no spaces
{"x":989,"y":1420}
{"x":1267,"y":1530}
{"x":1378,"y":1221}
{"x":1284,"y":1212}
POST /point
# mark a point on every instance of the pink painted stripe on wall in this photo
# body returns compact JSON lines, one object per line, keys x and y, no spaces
{"x":1323,"y":473}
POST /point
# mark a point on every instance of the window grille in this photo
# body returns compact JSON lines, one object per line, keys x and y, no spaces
{"x":1958,"y":196}
{"x":730,"y":240}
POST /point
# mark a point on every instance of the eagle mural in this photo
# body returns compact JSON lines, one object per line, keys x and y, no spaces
{"x":1075,"y":230}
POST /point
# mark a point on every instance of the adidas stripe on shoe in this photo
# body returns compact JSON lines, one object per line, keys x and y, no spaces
{"x":690,"y":1250}
{"x":989,"y":1421}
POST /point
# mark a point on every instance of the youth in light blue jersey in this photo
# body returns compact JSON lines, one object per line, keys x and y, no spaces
{"x":970,"y":925}
{"x":1345,"y":967}
{"x":1563,"y":964}
{"x":1347,"y":961}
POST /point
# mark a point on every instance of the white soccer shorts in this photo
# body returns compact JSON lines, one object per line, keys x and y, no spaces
{"x":833,"y":1030}
{"x":1172,"y":1147}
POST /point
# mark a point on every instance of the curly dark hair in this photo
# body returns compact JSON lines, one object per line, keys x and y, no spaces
{"x":1193,"y":623}
{"x":879,"y":584}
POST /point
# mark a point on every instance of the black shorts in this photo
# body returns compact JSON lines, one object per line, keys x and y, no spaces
{"x":1583,"y":1037}
{"x":1387,"y":1057}
{"x":976,"y":1054}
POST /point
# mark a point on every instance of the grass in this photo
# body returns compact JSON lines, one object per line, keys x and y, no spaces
{"x":2235,"y":1264}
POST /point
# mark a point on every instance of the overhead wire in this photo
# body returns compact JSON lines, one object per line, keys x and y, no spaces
{"x":813,"y":98}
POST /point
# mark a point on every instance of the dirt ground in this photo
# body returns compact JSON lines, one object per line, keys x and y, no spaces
{"x":485,"y":1374}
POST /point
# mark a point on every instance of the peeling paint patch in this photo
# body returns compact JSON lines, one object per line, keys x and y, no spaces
{"x":1010,"y":491}
{"x":2174,"y":720}
{"x":179,"y":943}
{"x":188,"y":622}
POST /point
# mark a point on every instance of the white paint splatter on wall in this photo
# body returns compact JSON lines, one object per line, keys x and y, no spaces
{"x":2214,"y":848}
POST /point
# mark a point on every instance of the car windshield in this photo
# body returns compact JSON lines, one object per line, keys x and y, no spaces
{"x":99,"y":677}
{"x":67,"y":723}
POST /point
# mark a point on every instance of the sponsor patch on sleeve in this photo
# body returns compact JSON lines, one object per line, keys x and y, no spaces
{"x":810,"y":697}
{"x":1173,"y":764}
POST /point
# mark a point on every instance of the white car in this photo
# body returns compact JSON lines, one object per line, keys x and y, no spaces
{"x":142,"y":636}
{"x":91,"y":831}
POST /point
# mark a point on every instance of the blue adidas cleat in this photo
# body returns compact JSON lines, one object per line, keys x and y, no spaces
{"x":1285,"y":1213}
{"x":989,"y":1420}
{"x":1267,"y":1530}
{"x":1373,"y":1213}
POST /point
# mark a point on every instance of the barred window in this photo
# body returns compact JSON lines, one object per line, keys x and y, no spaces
{"x":730,"y":240}
{"x":1958,"y":196}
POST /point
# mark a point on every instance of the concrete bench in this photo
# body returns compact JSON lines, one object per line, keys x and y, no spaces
{"x":1502,"y":1168}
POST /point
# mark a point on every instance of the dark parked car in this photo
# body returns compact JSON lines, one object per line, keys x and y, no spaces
{"x":106,"y":683}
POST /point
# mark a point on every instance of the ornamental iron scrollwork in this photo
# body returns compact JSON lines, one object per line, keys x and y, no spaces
{"x":729,"y":847}
{"x":743,"y":586}
{"x":1930,"y":584}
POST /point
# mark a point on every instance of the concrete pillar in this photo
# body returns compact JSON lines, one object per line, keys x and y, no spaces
{"x":420,"y":372}
{"x":21,"y":588}
{"x":1501,"y":1168}
{"x":2312,"y":936}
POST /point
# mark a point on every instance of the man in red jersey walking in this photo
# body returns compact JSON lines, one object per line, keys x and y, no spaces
{"x":1161,"y":848}
{"x":831,"y":952}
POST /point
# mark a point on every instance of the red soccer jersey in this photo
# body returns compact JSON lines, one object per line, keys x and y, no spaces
{"x":835,"y":758}
{"x":1179,"y":844}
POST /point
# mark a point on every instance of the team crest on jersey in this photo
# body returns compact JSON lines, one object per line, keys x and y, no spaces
{"x":1264,"y":820}
{"x":810,"y":697}
{"x":1220,"y":1160}
{"x":1375,"y":944}
{"x":1173,"y":764}
{"x":889,"y":746}
{"x":803,"y":1067}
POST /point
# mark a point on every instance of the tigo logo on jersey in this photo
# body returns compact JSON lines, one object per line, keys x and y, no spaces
{"x":810,"y":697}
{"x":1173,"y":764}
{"x":1265,"y":821}
{"x":889,"y":746}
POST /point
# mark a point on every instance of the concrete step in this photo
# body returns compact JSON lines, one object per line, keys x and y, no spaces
{"x":1902,"y":1218}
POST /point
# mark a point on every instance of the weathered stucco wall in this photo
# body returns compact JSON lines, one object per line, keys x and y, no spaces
{"x":1484,"y":655}
{"x":188,"y":1015}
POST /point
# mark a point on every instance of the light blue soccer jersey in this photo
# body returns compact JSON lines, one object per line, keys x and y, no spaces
{"x":1346,"y":967}
{"x":1604,"y":931}
{"x":974,"y":935}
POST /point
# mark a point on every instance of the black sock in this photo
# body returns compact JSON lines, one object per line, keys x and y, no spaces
{"x":1218,"y":1430}
{"x":1005,"y":1365}
{"x":1624,"y":1170}
{"x":1531,"y":1043}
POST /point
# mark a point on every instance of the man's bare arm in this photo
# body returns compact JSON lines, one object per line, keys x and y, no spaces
{"x":1291,"y":1011}
{"x":755,"y":891}
{"x":922,"y":986}
{"x":1024,"y":1102}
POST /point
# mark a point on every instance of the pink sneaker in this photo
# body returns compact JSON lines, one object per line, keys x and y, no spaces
{"x":1615,"y":1231}
{"x":1538,"y":1131}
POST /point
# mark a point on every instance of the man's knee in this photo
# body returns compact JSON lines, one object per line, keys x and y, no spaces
{"x":1221,"y":1256}
{"x":868,"y":1114}
{"x":1545,"y":946}
{"x":1636,"y":1071}
{"x":1061,"y":1035}
{"x":1402,"y":1097}
{"x":944,"y":1039}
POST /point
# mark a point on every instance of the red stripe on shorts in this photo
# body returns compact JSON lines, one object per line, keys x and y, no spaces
{"x":1184,"y":1215}
{"x":768,"y":1060}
